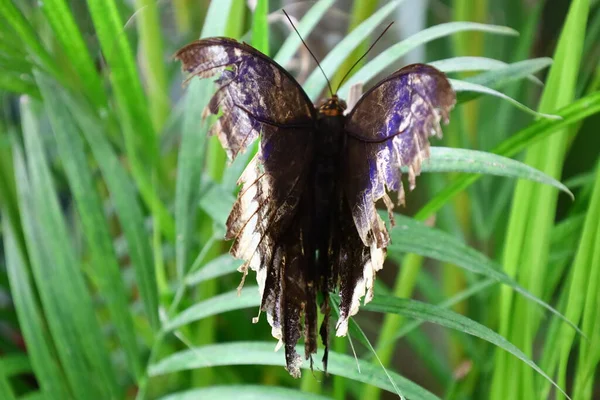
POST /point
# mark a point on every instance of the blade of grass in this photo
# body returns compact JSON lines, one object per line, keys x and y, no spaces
{"x":220,"y":266}
{"x":305,"y":27}
{"x":193,"y":147}
{"x":62,"y":21}
{"x":140,"y":137}
{"x":5,"y":388}
{"x":249,"y":297}
{"x":471,"y":64}
{"x":260,"y":26}
{"x":9,"y":204}
{"x":316,"y":81}
{"x":105,"y":266}
{"x":444,"y":317}
{"x":536,"y":131}
{"x":125,"y":200}
{"x":244,"y":392}
{"x":361,"y":10}
{"x":464,"y":86}
{"x":39,"y":347}
{"x":445,"y":159}
{"x":532,"y":214}
{"x":70,"y":314}
{"x":15,"y":18}
{"x":434,"y":243}
{"x":393,"y":54}
{"x":512,"y":72}
{"x":152,"y":59}
{"x":260,"y":353}
{"x":584,"y":274}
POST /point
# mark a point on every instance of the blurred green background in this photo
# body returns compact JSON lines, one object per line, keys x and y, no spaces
{"x":114,"y":278}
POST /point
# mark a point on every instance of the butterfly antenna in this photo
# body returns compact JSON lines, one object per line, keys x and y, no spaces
{"x":311,"y":53}
{"x":363,"y":56}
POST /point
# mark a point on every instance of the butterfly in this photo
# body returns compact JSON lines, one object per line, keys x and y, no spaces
{"x":305,"y":218}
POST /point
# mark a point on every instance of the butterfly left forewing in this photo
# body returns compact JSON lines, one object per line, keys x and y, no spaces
{"x":253,"y":91}
{"x":388,"y":128}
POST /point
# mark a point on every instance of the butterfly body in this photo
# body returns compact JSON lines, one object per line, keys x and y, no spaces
{"x":305,"y":218}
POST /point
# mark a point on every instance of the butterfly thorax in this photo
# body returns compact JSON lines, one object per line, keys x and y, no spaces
{"x":332,"y":107}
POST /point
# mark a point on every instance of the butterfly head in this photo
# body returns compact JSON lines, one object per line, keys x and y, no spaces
{"x":333,"y":106}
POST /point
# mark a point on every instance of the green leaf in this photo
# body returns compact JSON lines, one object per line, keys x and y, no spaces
{"x":105,"y":266}
{"x":70,"y":314}
{"x":15,"y":363}
{"x":260,"y":353}
{"x":62,"y":21}
{"x":576,"y":111}
{"x":316,"y":81}
{"x":464,"y":86}
{"x":305,"y":27}
{"x":446,"y":159}
{"x":152,"y":59}
{"x":468,"y":64}
{"x":449,"y":319}
{"x":6,"y":391}
{"x":18,"y":83}
{"x":192,"y":151}
{"x":512,"y":72}
{"x":394,"y":53}
{"x":222,"y":265}
{"x":15,"y":18}
{"x":356,"y":331}
{"x":217,"y":203}
{"x":125,"y":200}
{"x":132,"y":108}
{"x":439,"y":245}
{"x":39,"y":346}
{"x":248,"y":297}
{"x":459,"y":297}
{"x":260,"y":27}
{"x":244,"y":392}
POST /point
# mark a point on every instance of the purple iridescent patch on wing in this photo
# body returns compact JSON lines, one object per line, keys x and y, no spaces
{"x":391,"y":123}
{"x":252,"y":91}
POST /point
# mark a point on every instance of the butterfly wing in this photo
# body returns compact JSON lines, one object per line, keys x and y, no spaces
{"x":258,"y":97}
{"x":389,"y":128}
{"x":253,"y":93}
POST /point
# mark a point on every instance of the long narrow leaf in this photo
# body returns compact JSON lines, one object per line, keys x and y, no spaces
{"x":259,"y":353}
{"x":464,"y":86}
{"x":316,"y":81}
{"x":410,"y":236}
{"x":193,"y":146}
{"x":63,"y":24}
{"x":39,"y":347}
{"x":70,"y":315}
{"x":249,"y":297}
{"x":125,"y":201}
{"x":104,"y":261}
{"x":244,"y":392}
{"x":538,"y":130}
{"x":305,"y":27}
{"x":469,"y":64}
{"x":445,"y":159}
{"x":393,"y":54}
{"x":416,"y":309}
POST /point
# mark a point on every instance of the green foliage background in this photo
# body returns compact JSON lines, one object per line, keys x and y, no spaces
{"x":114,"y":279}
